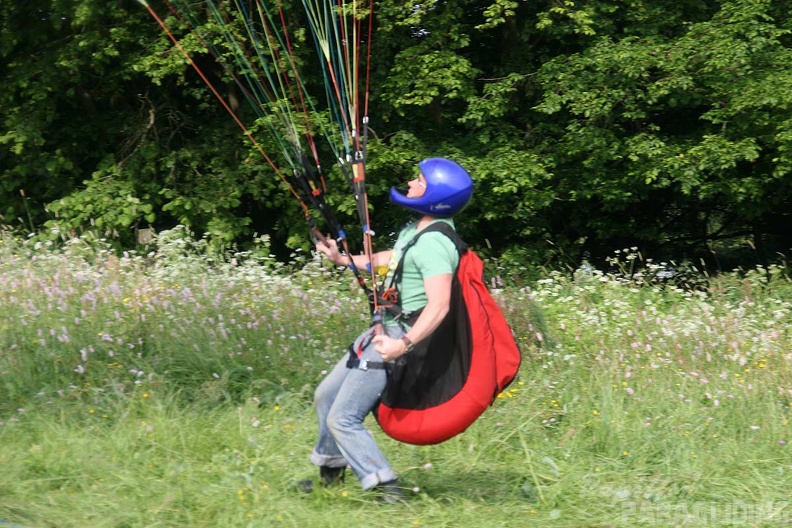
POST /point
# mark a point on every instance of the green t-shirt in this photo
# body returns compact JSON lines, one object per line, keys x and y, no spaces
{"x":433,"y":254}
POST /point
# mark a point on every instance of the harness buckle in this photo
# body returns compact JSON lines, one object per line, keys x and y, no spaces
{"x":363,"y":364}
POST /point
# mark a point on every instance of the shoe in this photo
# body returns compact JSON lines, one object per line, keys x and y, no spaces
{"x":390,"y":492}
{"x":327,"y":476}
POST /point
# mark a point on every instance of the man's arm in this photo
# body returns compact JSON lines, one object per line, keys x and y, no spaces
{"x":438,"y":294}
{"x":331,"y":251}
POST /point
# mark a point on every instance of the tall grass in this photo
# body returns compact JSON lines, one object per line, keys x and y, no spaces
{"x":174,"y":388}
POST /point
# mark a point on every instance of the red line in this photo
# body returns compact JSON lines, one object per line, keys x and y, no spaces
{"x":368,"y":58}
{"x":356,"y":78}
{"x":225,"y":105}
{"x":302,"y":106}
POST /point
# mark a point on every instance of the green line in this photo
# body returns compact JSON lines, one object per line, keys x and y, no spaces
{"x":248,"y":40}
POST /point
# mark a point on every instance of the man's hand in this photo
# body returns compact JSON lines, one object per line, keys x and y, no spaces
{"x":389,"y":348}
{"x":330,"y":250}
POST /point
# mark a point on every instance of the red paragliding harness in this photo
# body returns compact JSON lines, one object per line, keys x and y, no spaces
{"x":437,"y":390}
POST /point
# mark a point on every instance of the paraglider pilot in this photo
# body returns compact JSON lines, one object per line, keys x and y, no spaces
{"x":348,"y":394}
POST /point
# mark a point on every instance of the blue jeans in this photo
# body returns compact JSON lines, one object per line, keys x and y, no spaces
{"x":342,"y":401}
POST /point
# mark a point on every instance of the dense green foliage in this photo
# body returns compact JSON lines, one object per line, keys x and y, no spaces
{"x":587,"y":126}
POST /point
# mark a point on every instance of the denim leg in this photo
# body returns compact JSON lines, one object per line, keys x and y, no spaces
{"x":326,"y":452}
{"x":343,"y":400}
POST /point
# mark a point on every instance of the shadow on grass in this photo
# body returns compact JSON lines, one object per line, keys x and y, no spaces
{"x":479,"y":485}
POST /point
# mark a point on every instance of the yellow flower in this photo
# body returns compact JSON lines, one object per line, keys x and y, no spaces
{"x":595,"y":412}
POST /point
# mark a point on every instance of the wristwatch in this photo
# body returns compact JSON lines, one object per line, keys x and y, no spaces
{"x":410,"y":344}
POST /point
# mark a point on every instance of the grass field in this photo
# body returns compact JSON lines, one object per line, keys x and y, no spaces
{"x":174,"y":389}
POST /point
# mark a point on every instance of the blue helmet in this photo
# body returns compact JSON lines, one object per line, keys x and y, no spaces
{"x":448,"y":189}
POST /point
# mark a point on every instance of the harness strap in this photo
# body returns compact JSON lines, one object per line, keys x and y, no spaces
{"x":390,"y":298}
{"x":355,"y":362}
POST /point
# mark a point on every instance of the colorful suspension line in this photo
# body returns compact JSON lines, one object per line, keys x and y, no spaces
{"x":259,"y":58}
{"x":338,"y":30}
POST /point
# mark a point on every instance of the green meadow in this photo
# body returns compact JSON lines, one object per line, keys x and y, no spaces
{"x":173,"y":388}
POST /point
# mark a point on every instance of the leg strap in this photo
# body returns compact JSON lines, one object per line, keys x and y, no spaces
{"x":354,"y":362}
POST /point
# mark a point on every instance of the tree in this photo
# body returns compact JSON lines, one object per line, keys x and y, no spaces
{"x":103,"y":125}
{"x":684,"y":138}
